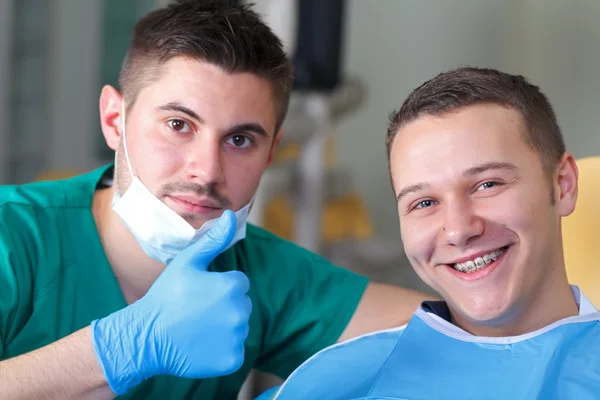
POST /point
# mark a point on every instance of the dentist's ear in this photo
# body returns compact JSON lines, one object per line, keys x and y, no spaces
{"x":110,"y":116}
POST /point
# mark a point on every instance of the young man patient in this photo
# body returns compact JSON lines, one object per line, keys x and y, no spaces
{"x":482,"y":179}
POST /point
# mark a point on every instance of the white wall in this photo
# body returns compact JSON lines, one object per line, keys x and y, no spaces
{"x":564,"y":60}
{"x":396,"y":45}
{"x":74,"y":86}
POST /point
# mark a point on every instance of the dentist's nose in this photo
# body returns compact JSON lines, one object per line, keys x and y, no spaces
{"x":205,"y":161}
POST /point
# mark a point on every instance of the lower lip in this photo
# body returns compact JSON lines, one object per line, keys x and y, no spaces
{"x":190,"y":208}
{"x":480,"y":274}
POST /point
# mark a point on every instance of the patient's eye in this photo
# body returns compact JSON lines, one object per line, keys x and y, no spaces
{"x":487,"y":185}
{"x":425,"y":204}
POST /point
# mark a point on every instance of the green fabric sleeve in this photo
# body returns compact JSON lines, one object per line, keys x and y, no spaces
{"x":307,"y":303}
{"x":8,"y":297}
{"x":15,"y":280}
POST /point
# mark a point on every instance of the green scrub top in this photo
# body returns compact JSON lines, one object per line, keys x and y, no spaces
{"x":55,"y":279}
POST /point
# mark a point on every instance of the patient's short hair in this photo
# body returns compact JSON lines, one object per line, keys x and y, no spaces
{"x":466,"y":86}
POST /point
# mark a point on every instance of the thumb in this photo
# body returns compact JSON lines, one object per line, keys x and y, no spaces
{"x":214,"y":242}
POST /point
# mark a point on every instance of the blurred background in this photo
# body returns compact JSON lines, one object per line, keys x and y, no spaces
{"x":356,"y":61}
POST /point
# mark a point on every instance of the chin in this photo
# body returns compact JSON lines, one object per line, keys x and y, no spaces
{"x":488,"y":310}
{"x":196,"y":221}
{"x":490,"y":315}
{"x":196,"y":224}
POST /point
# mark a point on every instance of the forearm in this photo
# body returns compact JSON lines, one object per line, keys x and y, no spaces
{"x":66,"y":369}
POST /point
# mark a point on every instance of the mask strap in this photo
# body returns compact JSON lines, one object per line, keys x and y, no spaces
{"x":125,"y":139}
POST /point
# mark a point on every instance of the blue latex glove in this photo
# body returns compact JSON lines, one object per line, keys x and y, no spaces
{"x":192,"y":323}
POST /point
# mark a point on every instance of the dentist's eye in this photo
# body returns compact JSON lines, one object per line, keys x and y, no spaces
{"x":240,"y":141}
{"x":179,"y":125}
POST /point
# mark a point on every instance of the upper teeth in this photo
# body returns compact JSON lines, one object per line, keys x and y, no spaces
{"x":479,"y":262}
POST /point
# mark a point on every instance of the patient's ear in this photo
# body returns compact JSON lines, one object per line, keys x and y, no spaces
{"x":110,"y":115}
{"x":566,"y":188}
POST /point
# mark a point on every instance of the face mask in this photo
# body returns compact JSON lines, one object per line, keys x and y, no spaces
{"x":160,"y":231}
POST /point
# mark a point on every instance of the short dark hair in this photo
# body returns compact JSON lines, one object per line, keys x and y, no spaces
{"x":232,"y":37}
{"x":466,"y":86}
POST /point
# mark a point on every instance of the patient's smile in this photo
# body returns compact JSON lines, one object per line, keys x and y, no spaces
{"x":480,"y":262}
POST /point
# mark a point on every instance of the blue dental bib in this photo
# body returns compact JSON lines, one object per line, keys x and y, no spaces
{"x":432,"y":359}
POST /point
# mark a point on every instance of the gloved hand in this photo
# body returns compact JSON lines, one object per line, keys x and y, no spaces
{"x":192,"y":323}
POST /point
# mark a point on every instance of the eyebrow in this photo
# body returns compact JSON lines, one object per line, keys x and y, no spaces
{"x":478,"y":169}
{"x":411,"y":189}
{"x":249,"y":127}
{"x":245,"y":127}
{"x":178,"y":107}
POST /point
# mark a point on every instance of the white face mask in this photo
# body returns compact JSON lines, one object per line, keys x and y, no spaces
{"x":160,"y":231}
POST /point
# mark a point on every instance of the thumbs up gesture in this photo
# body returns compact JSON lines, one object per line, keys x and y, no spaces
{"x":192,"y":323}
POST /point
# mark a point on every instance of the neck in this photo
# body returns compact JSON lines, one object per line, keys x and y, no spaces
{"x":553,"y":301}
{"x":134,"y":270}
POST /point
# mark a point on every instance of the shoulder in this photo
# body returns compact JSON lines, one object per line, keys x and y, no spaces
{"x":33,"y":214}
{"x":20,"y":209}
{"x":342,"y":370}
{"x":38,"y":196}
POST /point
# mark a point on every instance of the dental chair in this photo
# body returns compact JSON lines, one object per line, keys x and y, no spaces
{"x":581,"y":232}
